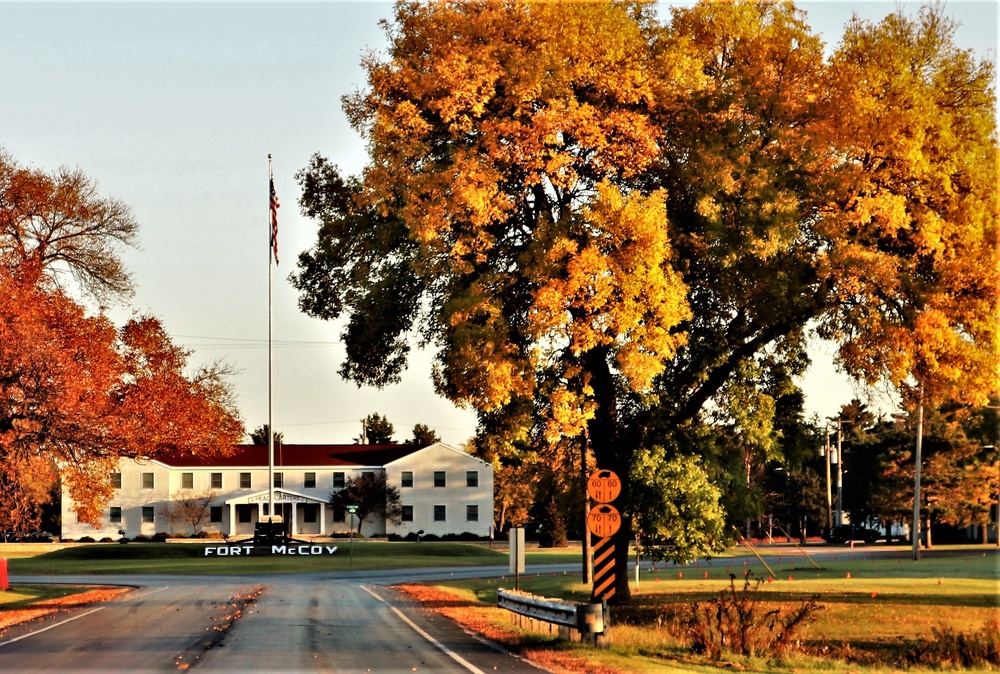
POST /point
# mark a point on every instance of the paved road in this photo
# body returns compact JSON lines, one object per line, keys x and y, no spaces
{"x":303,"y":622}
{"x":340,"y":622}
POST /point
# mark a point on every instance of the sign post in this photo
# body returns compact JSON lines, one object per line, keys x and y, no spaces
{"x":351,"y":509}
{"x":603,"y":523}
{"x":516,"y":545}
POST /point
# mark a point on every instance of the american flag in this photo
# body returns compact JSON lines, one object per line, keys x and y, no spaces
{"x":274,"y":222}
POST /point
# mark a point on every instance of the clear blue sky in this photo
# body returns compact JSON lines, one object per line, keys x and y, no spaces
{"x":174,"y":107}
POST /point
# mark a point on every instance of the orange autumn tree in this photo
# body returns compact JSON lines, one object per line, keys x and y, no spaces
{"x":914,"y":254}
{"x":605,"y":221}
{"x":76,"y":395}
{"x":56,"y":369}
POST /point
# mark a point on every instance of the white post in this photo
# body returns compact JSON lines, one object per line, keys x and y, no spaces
{"x":915,"y":534}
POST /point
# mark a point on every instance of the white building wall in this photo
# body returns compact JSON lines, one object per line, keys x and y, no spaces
{"x":422,"y":497}
{"x":454,"y":497}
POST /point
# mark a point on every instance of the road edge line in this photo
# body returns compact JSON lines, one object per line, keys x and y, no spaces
{"x":437,"y":644}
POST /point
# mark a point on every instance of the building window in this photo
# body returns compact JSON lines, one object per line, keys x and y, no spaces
{"x":471,"y":513}
{"x":339,"y":514}
{"x":147,"y":514}
{"x":187,"y":480}
{"x":472,"y":478}
{"x":408,"y":513}
{"x":279,"y":479}
{"x":216,"y":480}
{"x":310,"y":481}
{"x":147,"y":480}
{"x":368,"y":474}
{"x":406,"y":480}
{"x":338,"y":480}
{"x":310,"y":512}
{"x":439,"y":513}
{"x":439,"y":478}
{"x":116,"y":515}
{"x":116,"y":480}
{"x":245,"y":481}
{"x":215,"y":514}
{"x":244,"y":514}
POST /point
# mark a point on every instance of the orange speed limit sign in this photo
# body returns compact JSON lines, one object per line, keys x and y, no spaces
{"x":604,"y":486}
{"x":604,"y":521}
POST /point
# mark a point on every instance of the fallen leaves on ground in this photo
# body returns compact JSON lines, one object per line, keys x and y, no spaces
{"x":55,"y":604}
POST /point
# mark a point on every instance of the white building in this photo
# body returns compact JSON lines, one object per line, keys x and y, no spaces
{"x":442,"y":491}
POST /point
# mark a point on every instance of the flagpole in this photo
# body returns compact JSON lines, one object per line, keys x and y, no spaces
{"x":270,"y":329}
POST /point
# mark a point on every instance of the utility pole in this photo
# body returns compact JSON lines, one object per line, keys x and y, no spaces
{"x":915,"y":532}
{"x":840,"y":472}
{"x":829,"y":493}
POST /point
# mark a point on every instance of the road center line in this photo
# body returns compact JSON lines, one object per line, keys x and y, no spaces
{"x":71,"y":619}
{"x":444,"y":649}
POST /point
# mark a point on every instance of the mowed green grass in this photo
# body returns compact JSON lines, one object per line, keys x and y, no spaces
{"x":190,"y":559}
{"x":871,"y":607}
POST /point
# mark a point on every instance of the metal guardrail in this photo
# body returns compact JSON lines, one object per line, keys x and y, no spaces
{"x":588,"y":619}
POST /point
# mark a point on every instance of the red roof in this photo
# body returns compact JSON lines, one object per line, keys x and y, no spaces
{"x":299,"y":455}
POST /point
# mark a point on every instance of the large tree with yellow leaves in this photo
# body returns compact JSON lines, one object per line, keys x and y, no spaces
{"x":602,"y":221}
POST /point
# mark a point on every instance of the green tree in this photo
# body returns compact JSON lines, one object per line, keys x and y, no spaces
{"x":258,"y":436}
{"x":423,"y":434}
{"x":372,"y":495}
{"x":675,"y":508}
{"x":376,"y":431}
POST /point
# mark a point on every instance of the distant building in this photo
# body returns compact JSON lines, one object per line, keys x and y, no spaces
{"x":442,"y":490}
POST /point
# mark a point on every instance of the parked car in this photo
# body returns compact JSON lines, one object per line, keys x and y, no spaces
{"x":844,"y":533}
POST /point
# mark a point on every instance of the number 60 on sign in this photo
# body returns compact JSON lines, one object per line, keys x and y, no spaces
{"x":604,"y":486}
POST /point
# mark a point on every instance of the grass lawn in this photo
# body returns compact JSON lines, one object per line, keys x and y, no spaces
{"x":190,"y":559}
{"x":876,"y":614}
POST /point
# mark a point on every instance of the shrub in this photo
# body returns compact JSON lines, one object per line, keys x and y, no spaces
{"x":951,"y":648}
{"x":141,"y":539}
{"x":215,"y":535}
{"x":107,"y":539}
{"x":737,"y":622}
{"x":85,"y":539}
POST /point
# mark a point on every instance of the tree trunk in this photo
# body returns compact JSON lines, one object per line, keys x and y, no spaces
{"x":610,"y":455}
{"x":927,"y":533}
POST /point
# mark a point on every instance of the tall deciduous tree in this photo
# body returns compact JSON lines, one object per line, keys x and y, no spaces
{"x":58,"y":368}
{"x":76,"y":394}
{"x":602,"y":222}
{"x":59,"y":222}
{"x":912,"y":228}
